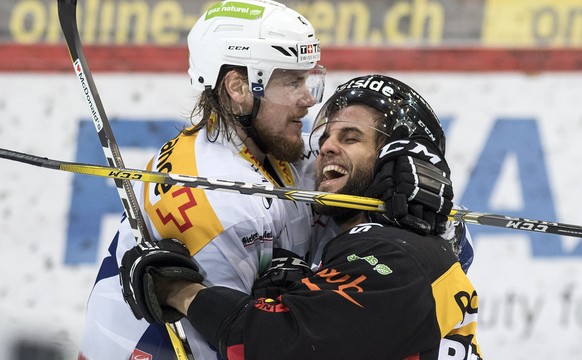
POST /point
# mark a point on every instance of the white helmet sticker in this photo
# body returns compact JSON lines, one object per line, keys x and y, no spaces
{"x":236,"y":10}
{"x":308,"y":52}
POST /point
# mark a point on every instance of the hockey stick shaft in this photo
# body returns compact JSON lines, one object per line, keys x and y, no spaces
{"x":67,"y":17}
{"x":517,"y":223}
{"x":67,"y":12}
{"x":245,"y":188}
{"x":329,"y":199}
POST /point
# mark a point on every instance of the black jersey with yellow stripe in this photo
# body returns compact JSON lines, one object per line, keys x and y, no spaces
{"x":381,"y":293}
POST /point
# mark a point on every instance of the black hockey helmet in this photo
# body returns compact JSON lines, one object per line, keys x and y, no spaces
{"x":400,"y":104}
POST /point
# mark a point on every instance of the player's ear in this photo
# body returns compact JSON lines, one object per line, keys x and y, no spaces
{"x":237,"y":87}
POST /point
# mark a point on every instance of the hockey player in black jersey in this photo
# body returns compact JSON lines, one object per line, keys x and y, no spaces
{"x":381,"y":291}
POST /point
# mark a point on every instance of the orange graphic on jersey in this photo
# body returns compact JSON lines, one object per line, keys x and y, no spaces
{"x":332,"y":276}
{"x":187,"y":224}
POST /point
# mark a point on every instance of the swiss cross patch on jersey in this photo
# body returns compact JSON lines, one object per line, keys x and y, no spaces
{"x":180,"y":212}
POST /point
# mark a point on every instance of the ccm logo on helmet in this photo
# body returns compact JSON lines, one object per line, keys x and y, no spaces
{"x":239,"y":47}
{"x":369,"y":83}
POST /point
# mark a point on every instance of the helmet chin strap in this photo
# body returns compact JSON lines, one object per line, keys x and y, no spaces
{"x":246,"y":120}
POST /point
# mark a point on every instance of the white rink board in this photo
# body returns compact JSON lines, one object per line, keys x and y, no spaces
{"x":531,"y":303}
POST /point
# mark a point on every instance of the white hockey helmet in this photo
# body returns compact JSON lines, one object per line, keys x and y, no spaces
{"x":259,"y":35}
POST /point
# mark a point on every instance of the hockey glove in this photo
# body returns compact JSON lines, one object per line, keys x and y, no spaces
{"x":167,"y":258}
{"x":412,"y":177}
{"x":286,"y":268}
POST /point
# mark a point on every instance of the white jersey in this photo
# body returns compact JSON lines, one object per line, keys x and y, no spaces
{"x":230,"y":236}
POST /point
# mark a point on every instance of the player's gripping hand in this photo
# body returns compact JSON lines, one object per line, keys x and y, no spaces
{"x":286,"y":268}
{"x":167,"y":259}
{"x":413,"y":178}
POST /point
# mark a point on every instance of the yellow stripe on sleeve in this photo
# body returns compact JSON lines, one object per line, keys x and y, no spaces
{"x":460,"y":310}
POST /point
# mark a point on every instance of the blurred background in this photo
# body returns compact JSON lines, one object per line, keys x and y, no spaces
{"x":504,"y":76}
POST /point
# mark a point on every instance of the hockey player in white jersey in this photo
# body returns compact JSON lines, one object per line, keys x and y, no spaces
{"x":255,"y":64}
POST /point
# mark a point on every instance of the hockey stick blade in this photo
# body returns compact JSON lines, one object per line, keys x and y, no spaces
{"x":268,"y":190}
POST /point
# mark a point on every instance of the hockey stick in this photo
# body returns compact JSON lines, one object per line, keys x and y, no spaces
{"x":517,"y":223}
{"x":267,"y":190}
{"x":67,"y":12}
{"x":245,"y":188}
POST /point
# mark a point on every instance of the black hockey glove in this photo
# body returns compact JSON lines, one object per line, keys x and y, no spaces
{"x":168,"y":258}
{"x":413,"y":178}
{"x":286,"y":268}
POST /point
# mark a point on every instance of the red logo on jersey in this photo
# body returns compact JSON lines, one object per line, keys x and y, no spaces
{"x":191,"y":202}
{"x":270,"y":305}
{"x":137,"y":354}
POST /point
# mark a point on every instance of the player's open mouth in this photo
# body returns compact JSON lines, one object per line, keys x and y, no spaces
{"x":331,"y":172}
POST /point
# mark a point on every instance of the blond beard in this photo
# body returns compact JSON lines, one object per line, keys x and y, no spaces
{"x":280,"y":147}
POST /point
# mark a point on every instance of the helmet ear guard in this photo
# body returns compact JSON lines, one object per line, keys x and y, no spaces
{"x":400,"y":104}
